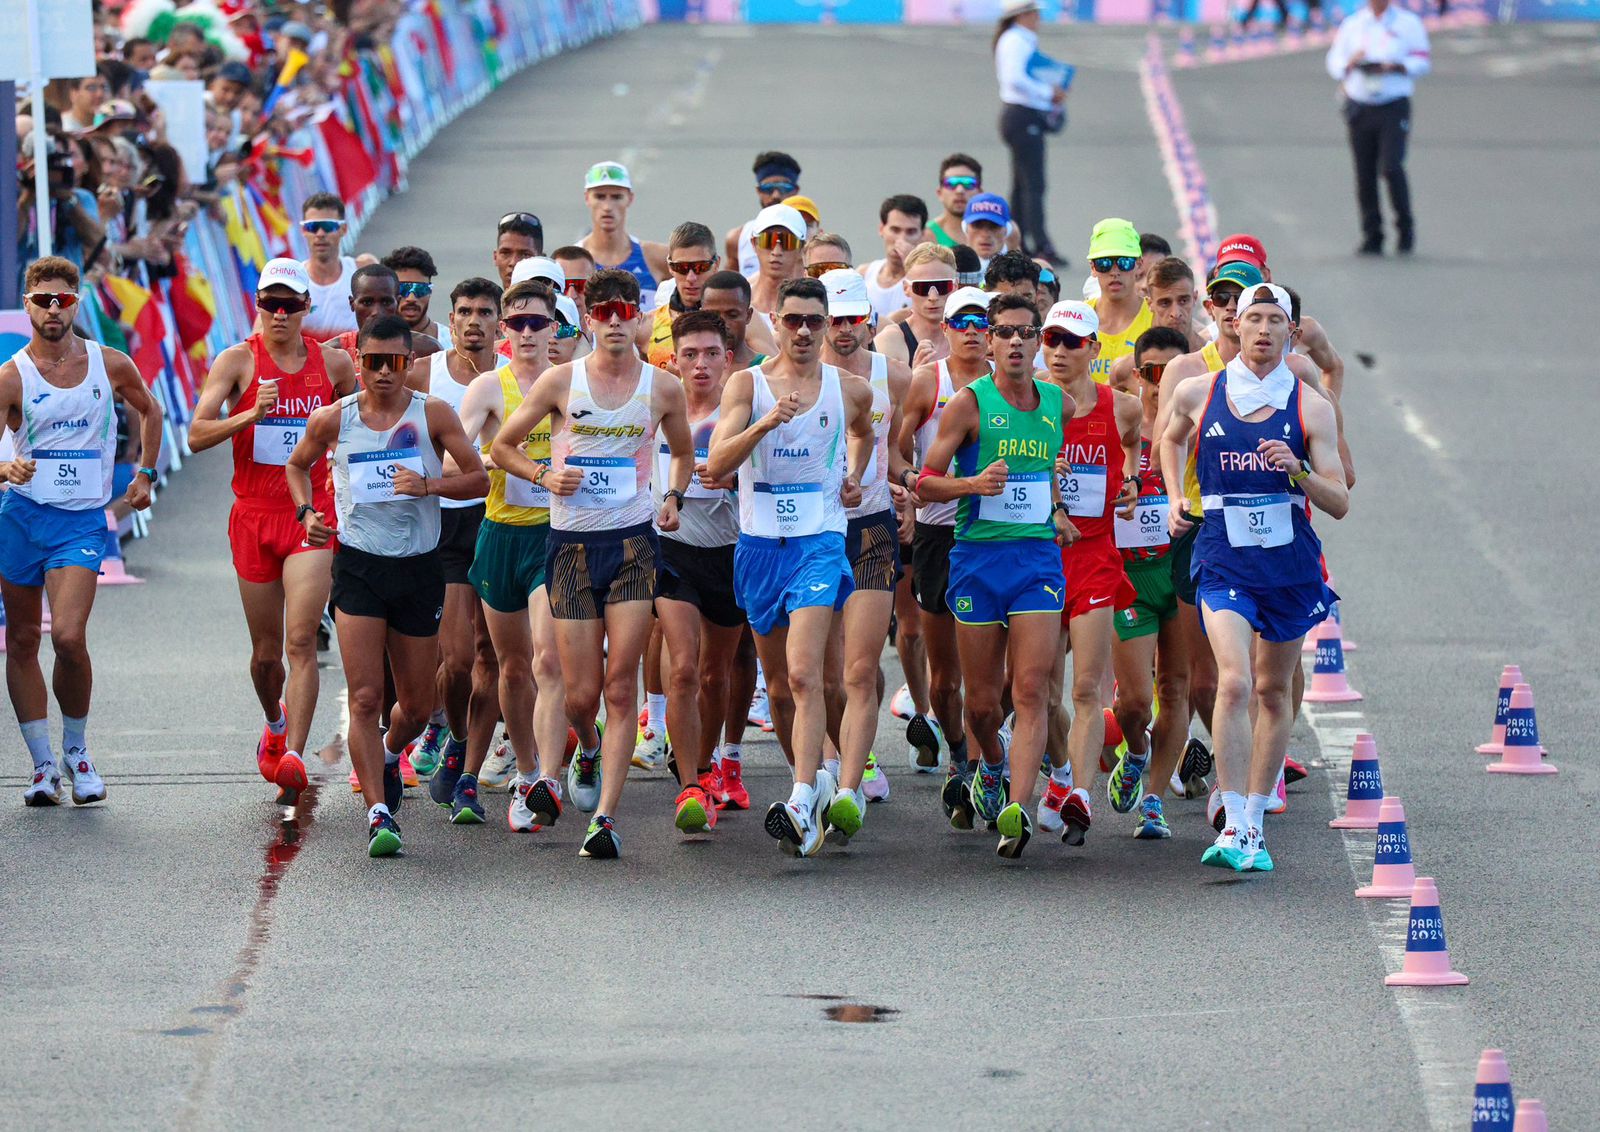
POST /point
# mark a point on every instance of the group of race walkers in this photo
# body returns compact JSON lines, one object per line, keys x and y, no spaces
{"x":745,"y":464}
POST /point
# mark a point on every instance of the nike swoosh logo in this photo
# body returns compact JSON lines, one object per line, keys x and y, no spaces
{"x":1098,"y":600}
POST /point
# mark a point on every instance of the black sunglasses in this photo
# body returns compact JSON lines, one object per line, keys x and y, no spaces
{"x":517,"y":323}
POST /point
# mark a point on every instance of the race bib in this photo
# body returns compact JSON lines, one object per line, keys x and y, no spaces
{"x":1025,"y":499}
{"x":1258,"y":520}
{"x":695,"y":490}
{"x":276,"y":437}
{"x":1083,"y":490}
{"x":66,"y":475}
{"x":608,"y":481}
{"x":1147,"y":528}
{"x":372,"y":473}
{"x":787,"y":510}
{"x":525,"y":493}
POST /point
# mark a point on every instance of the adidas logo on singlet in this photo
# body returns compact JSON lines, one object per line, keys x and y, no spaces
{"x":1215,"y":429}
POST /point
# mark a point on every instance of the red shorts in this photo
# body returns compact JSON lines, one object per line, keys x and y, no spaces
{"x":1095,"y":578}
{"x":263,"y":536}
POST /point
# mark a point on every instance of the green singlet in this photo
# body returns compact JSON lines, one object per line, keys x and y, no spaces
{"x":1028,"y":441}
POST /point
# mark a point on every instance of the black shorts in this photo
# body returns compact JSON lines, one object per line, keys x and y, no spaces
{"x":458,"y":541}
{"x":408,"y":593}
{"x":1181,"y":555}
{"x":588,"y":570}
{"x":930,"y":566}
{"x":872,"y":544}
{"x":701,"y":576}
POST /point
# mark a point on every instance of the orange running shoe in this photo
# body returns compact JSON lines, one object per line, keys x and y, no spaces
{"x":733,"y":785}
{"x":711,"y":783}
{"x":696,"y":812}
{"x":270,"y":749}
{"x":408,"y":773}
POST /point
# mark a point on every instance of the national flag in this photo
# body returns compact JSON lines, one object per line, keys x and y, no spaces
{"x":135,"y":311}
{"x":351,"y":163}
{"x":194,"y":308}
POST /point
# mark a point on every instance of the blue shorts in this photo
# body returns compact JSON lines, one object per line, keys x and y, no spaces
{"x":774,"y":577}
{"x":991,"y":582}
{"x":1279,"y":614}
{"x":36,"y":538}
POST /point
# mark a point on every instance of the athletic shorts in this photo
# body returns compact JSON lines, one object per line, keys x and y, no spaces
{"x":1155,"y":603}
{"x":1095,"y":578}
{"x":588,"y":570}
{"x":701,"y":576}
{"x":408,"y":593}
{"x":264,"y":536}
{"x":458,"y":541}
{"x":36,"y":538}
{"x":930,"y":566}
{"x":1278,"y":613}
{"x":1181,"y":557}
{"x":872,"y":544}
{"x":773,"y":577}
{"x":508,"y":564}
{"x":992,"y":582}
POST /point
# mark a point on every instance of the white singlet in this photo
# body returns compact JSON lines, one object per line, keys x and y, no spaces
{"x":875,"y":483}
{"x":371,"y":516}
{"x":71,"y":433}
{"x":613,"y":449}
{"x":451,"y":392}
{"x":789,"y":488}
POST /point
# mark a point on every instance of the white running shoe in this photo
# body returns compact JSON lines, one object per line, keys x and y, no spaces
{"x":822,"y":800}
{"x":760,"y":714}
{"x":874,"y":783}
{"x":901,"y":706}
{"x":1004,"y":735}
{"x":583,"y":780}
{"x":1048,"y":815}
{"x":499,"y":768}
{"x":792,"y":825}
{"x":518,"y":816}
{"x":1177,"y":785}
{"x":650,"y":753}
{"x":926,"y":738}
{"x":45,"y":789}
{"x":87,"y":785}
{"x":832,"y":767}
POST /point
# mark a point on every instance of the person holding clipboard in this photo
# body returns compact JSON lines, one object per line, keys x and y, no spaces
{"x":1033,"y":90}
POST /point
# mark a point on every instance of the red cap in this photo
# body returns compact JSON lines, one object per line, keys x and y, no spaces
{"x":1242,"y":246}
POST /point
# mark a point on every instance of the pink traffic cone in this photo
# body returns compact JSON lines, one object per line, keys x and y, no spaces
{"x":1531,"y":1117}
{"x":1364,"y":795}
{"x":1522,"y":753}
{"x":1427,"y":962}
{"x":113,"y":571}
{"x":1491,"y":1096}
{"x":1510,"y":676}
{"x":1328,"y":684}
{"x":1393,"y":875}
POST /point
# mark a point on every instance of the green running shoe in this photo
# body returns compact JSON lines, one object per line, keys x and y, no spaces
{"x":845,"y":815}
{"x":383,"y":837}
{"x":1015,"y":828}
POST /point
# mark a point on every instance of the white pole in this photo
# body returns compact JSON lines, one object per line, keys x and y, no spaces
{"x":41,"y":164}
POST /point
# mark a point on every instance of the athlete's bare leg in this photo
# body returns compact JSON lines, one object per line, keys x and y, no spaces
{"x":1091,"y":635}
{"x":799,"y":651}
{"x":865,"y":625}
{"x":909,"y":645}
{"x":623,"y":633}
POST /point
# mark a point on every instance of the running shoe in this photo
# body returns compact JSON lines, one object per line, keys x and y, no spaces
{"x":430,"y":749}
{"x":1293,"y":771}
{"x":1075,"y":816}
{"x":45,"y":789}
{"x":1176,"y":785}
{"x":955,"y":798}
{"x":583,"y":780}
{"x":408,"y":773}
{"x":650,"y":752}
{"x":325,"y":632}
{"x":1050,"y":802}
{"x":1113,"y":735}
{"x":1122,"y":788}
{"x":760,"y":713}
{"x":394,"y":791}
{"x":383,"y":836}
{"x":1231,"y":850}
{"x":1152,"y":821}
{"x":733,"y":784}
{"x":1004,"y":735}
{"x":874,"y":783}
{"x":270,"y":749}
{"x":1194,"y":767}
{"x":822,"y":794}
{"x":901,"y":706}
{"x":845,"y":816}
{"x":355,"y":781}
{"x":498,"y":768}
{"x":87,"y":785}
{"x":1015,"y":828}
{"x":925,"y":738}
{"x":518,"y":817}
{"x":1260,"y":859}
{"x":644,"y":720}
{"x":291,"y":778}
{"x":696,"y":812}
{"x":442,"y":786}
{"x":988,"y":792}
{"x":790,"y":823}
{"x":602,"y":841}
{"x":465,"y":809}
{"x":1215,"y":813}
{"x":711,"y":783}
{"x":544,"y":801}
{"x":1280,"y":797}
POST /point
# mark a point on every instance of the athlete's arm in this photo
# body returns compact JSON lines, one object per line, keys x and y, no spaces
{"x":424,"y":345}
{"x":479,"y":406}
{"x":918,"y":407}
{"x":223,"y":382}
{"x":891,"y":343}
{"x":1325,"y":485}
{"x":340,"y":369}
{"x":1306,"y":370}
{"x":471,"y":481}
{"x":899,"y":386}
{"x":322,"y":433}
{"x":1121,"y":377}
{"x":12,"y":471}
{"x":736,"y":436}
{"x":655,"y":257}
{"x":858,"y":404}
{"x":672,"y":407}
{"x":958,"y":424}
{"x":1180,"y":411}
{"x":127,"y":383}
{"x":1314,"y":340}
{"x":1130,"y":415}
{"x":419,"y":376}
{"x":758,"y":336}
{"x":545,"y":399}
{"x":730,"y":246}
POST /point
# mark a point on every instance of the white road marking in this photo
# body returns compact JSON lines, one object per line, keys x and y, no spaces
{"x":1419,"y":431}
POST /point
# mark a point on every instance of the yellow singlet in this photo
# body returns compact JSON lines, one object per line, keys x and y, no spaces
{"x":537,"y":446}
{"x":1114,"y":346}
{"x":661,"y":343}
{"x":1191,"y":474}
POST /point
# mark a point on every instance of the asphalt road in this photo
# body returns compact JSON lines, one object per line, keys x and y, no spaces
{"x":179,"y":958}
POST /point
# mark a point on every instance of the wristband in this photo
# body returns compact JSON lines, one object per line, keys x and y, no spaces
{"x":673,"y":493}
{"x":538,"y":473}
{"x":927,"y":473}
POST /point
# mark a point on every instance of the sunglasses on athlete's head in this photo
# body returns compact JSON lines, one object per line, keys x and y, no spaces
{"x":576,"y":287}
{"x":377,"y":363}
{"x":691,"y":266}
{"x":1054,"y":336}
{"x":527,"y":219}
{"x":1009,"y":331}
{"x":780,"y":238}
{"x":965,"y":322}
{"x":517,"y":323}
{"x":44,"y":300}
{"x":320,"y":227}
{"x":618,"y":308}
{"x":849,"y":319}
{"x":818,"y":270}
{"x":415,"y":290}
{"x":968,"y":183}
{"x":925,"y":287}
{"x":1152,"y":371}
{"x":776,"y":185}
{"x":1108,"y":263}
{"x":282,"y":304}
{"x":812,"y":322}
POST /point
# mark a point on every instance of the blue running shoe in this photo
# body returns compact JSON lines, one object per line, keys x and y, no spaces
{"x":465,"y":809}
{"x":429,"y":750}
{"x":1122,"y":788}
{"x":394,"y":790}
{"x":442,"y":786}
{"x":1152,"y":821}
{"x":988,"y":792}
{"x":383,"y":837}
